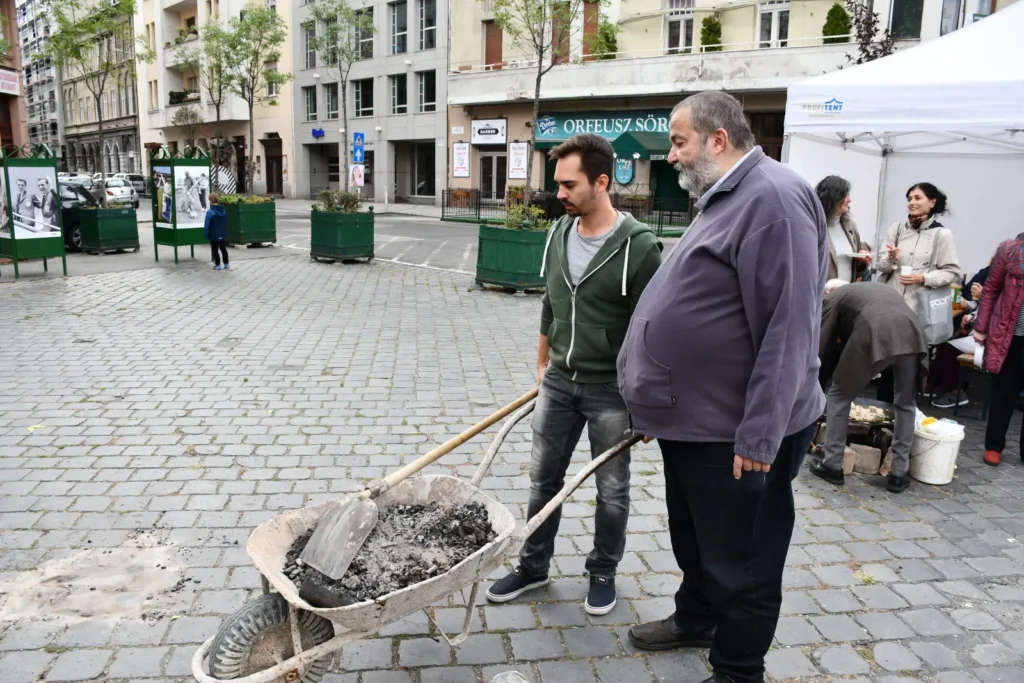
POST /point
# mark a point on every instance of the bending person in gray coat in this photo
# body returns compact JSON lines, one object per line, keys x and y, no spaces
{"x":879,"y":331}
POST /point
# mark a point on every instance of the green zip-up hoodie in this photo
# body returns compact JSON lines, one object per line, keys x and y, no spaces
{"x":586,"y":325}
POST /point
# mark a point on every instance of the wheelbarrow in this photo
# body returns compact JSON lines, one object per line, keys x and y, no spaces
{"x":281,"y":638}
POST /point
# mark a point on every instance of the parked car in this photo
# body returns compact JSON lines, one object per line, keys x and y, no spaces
{"x":135,"y":180}
{"x":120,"y":190}
{"x":74,"y":196}
{"x":85,"y":181}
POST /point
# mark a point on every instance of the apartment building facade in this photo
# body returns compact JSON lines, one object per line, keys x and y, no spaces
{"x":627,"y":96}
{"x":167,"y":85}
{"x":40,"y":79}
{"x":396,"y":99}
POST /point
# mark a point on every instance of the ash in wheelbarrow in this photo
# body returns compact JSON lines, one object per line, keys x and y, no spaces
{"x":282,"y":638}
{"x":409,"y":544}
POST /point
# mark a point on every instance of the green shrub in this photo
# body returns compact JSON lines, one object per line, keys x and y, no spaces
{"x":520,"y":216}
{"x":711,"y":34}
{"x":338,"y":201}
{"x":245,"y":199}
{"x":837,"y":23}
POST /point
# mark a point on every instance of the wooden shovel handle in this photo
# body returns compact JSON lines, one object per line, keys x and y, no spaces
{"x":448,"y":446}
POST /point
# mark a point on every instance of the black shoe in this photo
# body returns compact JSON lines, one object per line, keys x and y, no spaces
{"x":514,"y":585}
{"x":898,"y":484}
{"x":950,"y":400}
{"x":821,"y":470}
{"x":601,"y":598}
{"x":667,"y":635}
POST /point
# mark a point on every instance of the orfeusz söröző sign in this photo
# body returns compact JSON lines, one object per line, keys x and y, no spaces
{"x":606,"y":124}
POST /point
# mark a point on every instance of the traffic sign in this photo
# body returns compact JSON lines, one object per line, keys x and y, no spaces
{"x":357,"y":155}
{"x":358,"y":139}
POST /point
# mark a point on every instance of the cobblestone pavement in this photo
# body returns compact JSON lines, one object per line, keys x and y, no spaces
{"x":161,"y":414}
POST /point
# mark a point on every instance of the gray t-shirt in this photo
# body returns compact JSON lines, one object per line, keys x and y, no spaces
{"x":580,"y":250}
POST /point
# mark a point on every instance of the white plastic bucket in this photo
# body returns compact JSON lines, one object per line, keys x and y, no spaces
{"x":933,"y":457}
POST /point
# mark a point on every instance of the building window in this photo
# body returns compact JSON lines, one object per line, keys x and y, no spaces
{"x":331,"y":97}
{"x":399,"y":27}
{"x":309,"y":44}
{"x":774,"y":24}
{"x":399,"y":94}
{"x":428,"y":90}
{"x":366,"y":36}
{"x":428,"y":24}
{"x":273,"y":89}
{"x":363,"y":96}
{"x":680,"y":35}
{"x":906,"y":19}
{"x":309,"y":95}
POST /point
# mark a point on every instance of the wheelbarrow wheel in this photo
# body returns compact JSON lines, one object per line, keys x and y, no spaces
{"x":258,"y":636}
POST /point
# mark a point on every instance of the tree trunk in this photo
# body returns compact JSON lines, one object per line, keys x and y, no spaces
{"x":215,"y":185}
{"x":99,"y":132}
{"x":250,"y":164}
{"x":347,"y":134}
{"x":529,"y":144}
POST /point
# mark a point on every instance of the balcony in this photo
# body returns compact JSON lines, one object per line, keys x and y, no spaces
{"x":737,"y":67}
{"x":172,"y":51}
{"x":178,"y":5}
{"x":176,"y":97}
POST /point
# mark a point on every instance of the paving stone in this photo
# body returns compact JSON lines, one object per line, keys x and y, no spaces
{"x":560,"y":614}
{"x":920,"y":594}
{"x":839,"y":628}
{"x":995,"y":566}
{"x":895,"y":657}
{"x":841,"y":660}
{"x":936,"y":655}
{"x":879,"y":597}
{"x":677,"y":666}
{"x":387,"y":677}
{"x":591,"y":642}
{"x":884,"y":626}
{"x":621,"y":670}
{"x":915,"y":570}
{"x":192,"y":629}
{"x":836,"y":601}
{"x":929,"y":622}
{"x":366,"y":654}
{"x":29,"y":635}
{"x":994,"y":654}
{"x":481,"y":649}
{"x":448,"y":674}
{"x":798,"y":602}
{"x":788,"y":663}
{"x":796,"y":631}
{"x":525,"y":670}
{"x":509,"y":617}
{"x":999,"y":674}
{"x":79,"y":665}
{"x":960,"y":589}
{"x":23,"y":667}
{"x":138,"y":662}
{"x":534,"y":645}
{"x":566,"y":672}
{"x":836,"y":575}
{"x":955,"y":677}
{"x":975,"y":620}
{"x":423,"y":652}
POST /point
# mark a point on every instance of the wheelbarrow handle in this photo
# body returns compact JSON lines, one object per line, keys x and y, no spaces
{"x":534,"y":522}
{"x":395,"y":478}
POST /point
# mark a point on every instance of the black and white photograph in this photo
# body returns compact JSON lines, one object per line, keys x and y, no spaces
{"x":5,"y":219}
{"x":35,"y":205}
{"x":192,"y":192}
{"x":164,"y":196}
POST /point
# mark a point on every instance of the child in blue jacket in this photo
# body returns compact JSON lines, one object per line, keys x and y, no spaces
{"x":216,"y":228}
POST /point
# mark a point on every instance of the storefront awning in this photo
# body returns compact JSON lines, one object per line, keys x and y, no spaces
{"x":647,"y":145}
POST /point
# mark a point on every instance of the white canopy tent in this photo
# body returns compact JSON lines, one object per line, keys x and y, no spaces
{"x":949,"y":111}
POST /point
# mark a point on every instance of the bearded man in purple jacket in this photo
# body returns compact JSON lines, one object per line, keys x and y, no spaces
{"x":720,"y":364}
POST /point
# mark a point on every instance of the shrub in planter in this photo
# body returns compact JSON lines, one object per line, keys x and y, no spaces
{"x":338,"y":229}
{"x":251,"y":218}
{"x":510,"y":255}
{"x":109,"y":228}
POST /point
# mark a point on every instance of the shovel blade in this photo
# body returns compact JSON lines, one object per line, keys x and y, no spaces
{"x":339,"y":536}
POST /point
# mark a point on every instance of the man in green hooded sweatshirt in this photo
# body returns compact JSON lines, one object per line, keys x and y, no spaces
{"x":597,"y":262}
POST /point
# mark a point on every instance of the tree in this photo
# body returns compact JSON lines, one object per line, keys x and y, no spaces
{"x":95,"y":44}
{"x":604,"y":44}
{"x":543,"y":30}
{"x":189,"y":118}
{"x":338,"y":43}
{"x":837,"y":23}
{"x":711,"y":34}
{"x":872,"y":43}
{"x":254,"y":40}
{"x":5,"y":45}
{"x":210,"y":64}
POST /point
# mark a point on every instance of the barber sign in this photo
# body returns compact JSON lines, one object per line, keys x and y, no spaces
{"x":489,"y":132}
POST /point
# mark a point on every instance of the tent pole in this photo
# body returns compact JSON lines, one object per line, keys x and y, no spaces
{"x":883,"y":173}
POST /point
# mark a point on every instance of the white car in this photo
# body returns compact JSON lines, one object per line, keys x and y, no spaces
{"x":120,"y":190}
{"x":135,"y":180}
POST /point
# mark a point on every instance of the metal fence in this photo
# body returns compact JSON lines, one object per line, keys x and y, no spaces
{"x":665,"y":216}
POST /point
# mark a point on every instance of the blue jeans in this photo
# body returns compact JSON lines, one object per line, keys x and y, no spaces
{"x":563,"y":407}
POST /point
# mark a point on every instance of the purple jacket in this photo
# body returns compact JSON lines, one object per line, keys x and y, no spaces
{"x":723,"y":344}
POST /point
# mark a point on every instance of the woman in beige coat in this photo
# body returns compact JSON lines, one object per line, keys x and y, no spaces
{"x":920,"y":251}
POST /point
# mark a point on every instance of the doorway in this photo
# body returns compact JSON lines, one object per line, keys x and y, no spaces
{"x":275,"y":175}
{"x":665,"y":182}
{"x":493,"y":175}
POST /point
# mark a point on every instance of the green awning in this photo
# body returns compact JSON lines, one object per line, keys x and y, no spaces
{"x":642,"y":143}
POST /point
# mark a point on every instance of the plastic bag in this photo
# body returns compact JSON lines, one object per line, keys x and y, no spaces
{"x":510,"y":677}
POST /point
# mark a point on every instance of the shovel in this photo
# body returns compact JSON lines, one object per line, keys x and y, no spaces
{"x":349,"y":521}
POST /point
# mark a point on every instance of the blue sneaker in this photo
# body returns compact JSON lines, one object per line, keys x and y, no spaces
{"x":227,"y":266}
{"x":217,"y":267}
{"x":601,"y":598}
{"x":514,"y":585}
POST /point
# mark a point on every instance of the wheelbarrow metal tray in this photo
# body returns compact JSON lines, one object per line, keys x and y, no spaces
{"x":270,"y":542}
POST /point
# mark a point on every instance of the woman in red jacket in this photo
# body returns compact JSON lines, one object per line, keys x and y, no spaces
{"x":1000,"y":327}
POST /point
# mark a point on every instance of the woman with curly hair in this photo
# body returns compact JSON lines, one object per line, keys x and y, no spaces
{"x":848,"y":255}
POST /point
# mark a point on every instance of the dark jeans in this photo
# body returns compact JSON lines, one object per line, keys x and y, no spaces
{"x":1006,"y":389}
{"x":730,"y":538}
{"x":563,"y":407}
{"x":222,"y":245}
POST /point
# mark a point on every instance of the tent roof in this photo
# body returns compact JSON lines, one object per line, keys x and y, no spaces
{"x":968,"y":80}
{"x":642,"y":143}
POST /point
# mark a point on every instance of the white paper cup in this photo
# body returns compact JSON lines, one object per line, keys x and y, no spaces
{"x":906,"y":270}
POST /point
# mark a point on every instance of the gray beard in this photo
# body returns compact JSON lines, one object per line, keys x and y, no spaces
{"x":701,"y":175}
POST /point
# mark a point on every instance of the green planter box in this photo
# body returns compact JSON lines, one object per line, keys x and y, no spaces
{"x":510,"y":258}
{"x":341,"y":236}
{"x":251,"y":223}
{"x":108,"y":229}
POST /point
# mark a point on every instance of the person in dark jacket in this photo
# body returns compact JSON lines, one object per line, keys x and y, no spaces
{"x":878,"y":331}
{"x":597,"y":262}
{"x":952,"y":386}
{"x":216,"y":230}
{"x":720,"y":364}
